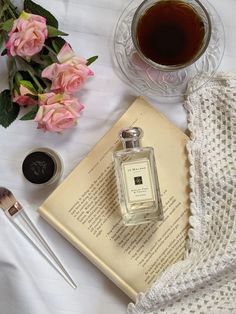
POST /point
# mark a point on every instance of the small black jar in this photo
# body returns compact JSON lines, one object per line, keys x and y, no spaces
{"x":42,"y":166}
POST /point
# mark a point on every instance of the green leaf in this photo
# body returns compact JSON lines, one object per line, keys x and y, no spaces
{"x":12,"y":71}
{"x":24,"y":75}
{"x":3,"y":10}
{"x":46,"y":59}
{"x":28,"y":85}
{"x":8,"y":109}
{"x":1,"y":40}
{"x":7,"y":26}
{"x":31,"y":114}
{"x":54,"y":32}
{"x":4,"y":52}
{"x":32,"y":7}
{"x":17,"y":78}
{"x":91,"y":60}
{"x":42,"y":60}
{"x":57,"y":43}
{"x":25,"y":66}
{"x":8,"y":10}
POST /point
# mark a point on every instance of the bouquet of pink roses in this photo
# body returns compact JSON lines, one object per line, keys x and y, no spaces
{"x":44,"y":72}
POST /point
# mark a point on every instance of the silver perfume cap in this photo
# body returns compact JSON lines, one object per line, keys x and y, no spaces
{"x":130,"y":137}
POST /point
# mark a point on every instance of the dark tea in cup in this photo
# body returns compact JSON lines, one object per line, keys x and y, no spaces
{"x":171,"y":34}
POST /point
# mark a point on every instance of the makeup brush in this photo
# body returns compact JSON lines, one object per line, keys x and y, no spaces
{"x":21,"y":220}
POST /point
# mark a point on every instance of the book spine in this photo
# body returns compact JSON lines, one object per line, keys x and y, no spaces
{"x":102,"y":266}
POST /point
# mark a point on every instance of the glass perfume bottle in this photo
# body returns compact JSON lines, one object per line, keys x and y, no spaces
{"x":137,"y":180}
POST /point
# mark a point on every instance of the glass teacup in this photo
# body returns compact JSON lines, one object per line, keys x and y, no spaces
{"x":171,"y":34}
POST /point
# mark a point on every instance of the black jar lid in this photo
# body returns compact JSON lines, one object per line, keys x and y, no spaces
{"x":40,"y":166}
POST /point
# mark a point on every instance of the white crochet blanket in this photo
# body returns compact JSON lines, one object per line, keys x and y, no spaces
{"x":205,"y":282}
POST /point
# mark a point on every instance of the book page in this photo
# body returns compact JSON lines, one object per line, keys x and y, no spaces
{"x":85,"y":208}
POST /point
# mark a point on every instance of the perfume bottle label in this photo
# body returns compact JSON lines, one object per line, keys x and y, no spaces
{"x":138,"y":180}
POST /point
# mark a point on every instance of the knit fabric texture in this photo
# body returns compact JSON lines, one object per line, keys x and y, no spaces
{"x":205,"y":281}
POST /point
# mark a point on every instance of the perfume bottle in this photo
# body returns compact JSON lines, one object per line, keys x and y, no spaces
{"x":137,"y":181}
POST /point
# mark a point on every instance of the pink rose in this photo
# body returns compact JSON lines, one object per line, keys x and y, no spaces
{"x":57,"y":112}
{"x":70,"y":75}
{"x":23,"y":99}
{"x":66,"y":77}
{"x":27,"y":36}
{"x":67,"y":55}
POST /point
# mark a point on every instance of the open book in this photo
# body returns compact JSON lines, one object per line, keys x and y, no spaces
{"x":84,"y":207}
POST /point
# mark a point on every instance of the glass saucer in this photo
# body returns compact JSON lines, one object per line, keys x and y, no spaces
{"x":165,"y":86}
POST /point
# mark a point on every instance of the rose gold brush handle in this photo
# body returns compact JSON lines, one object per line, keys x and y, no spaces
{"x":24,"y":224}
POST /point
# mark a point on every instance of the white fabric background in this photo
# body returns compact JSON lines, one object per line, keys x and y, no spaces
{"x":28,"y":285}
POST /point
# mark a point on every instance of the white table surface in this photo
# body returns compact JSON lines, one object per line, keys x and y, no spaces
{"x":28,"y":285}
